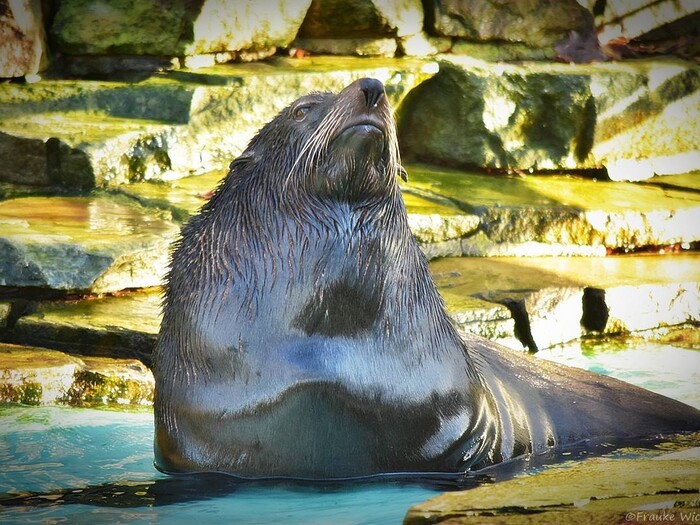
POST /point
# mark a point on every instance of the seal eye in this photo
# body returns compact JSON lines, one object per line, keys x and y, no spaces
{"x":301,"y":112}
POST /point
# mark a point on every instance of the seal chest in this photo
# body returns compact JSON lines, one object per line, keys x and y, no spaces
{"x":303,"y":336}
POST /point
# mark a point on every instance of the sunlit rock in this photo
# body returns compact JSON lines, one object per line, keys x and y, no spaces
{"x":548,"y":300}
{"x":651,"y":130}
{"x":555,"y":215}
{"x":123,"y":326}
{"x":23,"y":49}
{"x":630,"y":19}
{"x":420,"y":45}
{"x":634,"y":308}
{"x":222,"y":25}
{"x":537,"y":23}
{"x":632,"y":119}
{"x":4,"y":314}
{"x":364,"y":47}
{"x":179,"y":28}
{"x":104,"y":381}
{"x":181,"y":198}
{"x":364,"y":28}
{"x":502,"y":51}
{"x":38,"y":376}
{"x":81,"y":134}
{"x":34,"y":376}
{"x":596,"y":490}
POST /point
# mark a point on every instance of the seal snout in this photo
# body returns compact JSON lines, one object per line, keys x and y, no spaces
{"x":373,"y":91}
{"x":367,"y":107}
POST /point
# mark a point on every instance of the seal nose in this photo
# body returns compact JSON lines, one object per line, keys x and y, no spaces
{"x":373,"y":90}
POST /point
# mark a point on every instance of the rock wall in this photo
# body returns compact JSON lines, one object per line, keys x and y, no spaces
{"x":108,"y":148}
{"x":106,"y":37}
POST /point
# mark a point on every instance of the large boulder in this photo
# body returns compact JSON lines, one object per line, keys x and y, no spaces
{"x":632,"y":119}
{"x":86,"y":27}
{"x":537,"y":23}
{"x":359,"y":27}
{"x":474,"y":115}
{"x":174,"y":27}
{"x":251,"y":25}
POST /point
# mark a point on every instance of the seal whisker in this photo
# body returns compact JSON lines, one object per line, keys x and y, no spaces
{"x":313,"y":144}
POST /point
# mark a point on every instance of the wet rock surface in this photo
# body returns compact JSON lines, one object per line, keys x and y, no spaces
{"x":38,"y":376}
{"x":560,"y":215}
{"x":552,"y":300}
{"x":123,"y":326}
{"x":524,"y":303}
{"x":661,"y":488}
{"x":97,"y":243}
{"x":87,"y":133}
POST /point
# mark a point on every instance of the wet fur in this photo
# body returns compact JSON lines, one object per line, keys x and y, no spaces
{"x":303,"y":335}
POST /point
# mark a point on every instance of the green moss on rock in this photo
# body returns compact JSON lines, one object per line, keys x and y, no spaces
{"x":25,"y":393}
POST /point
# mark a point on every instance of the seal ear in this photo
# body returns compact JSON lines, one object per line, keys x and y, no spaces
{"x":402,"y":173}
{"x":240,"y":162}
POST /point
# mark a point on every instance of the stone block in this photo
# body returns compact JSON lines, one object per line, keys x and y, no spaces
{"x":630,"y":19}
{"x":633,"y":119}
{"x":97,"y":244}
{"x":23,"y":49}
{"x":174,"y":27}
{"x":366,"y":47}
{"x":594,"y":490}
{"x":537,"y":23}
{"x":38,"y":376}
{"x":82,"y":134}
{"x":553,"y":215}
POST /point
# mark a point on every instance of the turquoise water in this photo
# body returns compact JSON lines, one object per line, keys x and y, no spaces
{"x":663,"y":368}
{"x":95,"y":466}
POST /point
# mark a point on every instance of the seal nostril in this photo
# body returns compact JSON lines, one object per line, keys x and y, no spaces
{"x":373,"y":90}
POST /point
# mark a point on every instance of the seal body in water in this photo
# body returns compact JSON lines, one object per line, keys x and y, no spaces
{"x":303,"y":335}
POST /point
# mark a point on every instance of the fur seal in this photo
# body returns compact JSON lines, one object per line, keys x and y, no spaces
{"x":303,"y":336}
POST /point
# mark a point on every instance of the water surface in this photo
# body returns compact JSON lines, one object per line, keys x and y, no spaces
{"x":96,"y":466}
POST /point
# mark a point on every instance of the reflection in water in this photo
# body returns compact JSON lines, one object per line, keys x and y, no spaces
{"x":662,"y":368}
